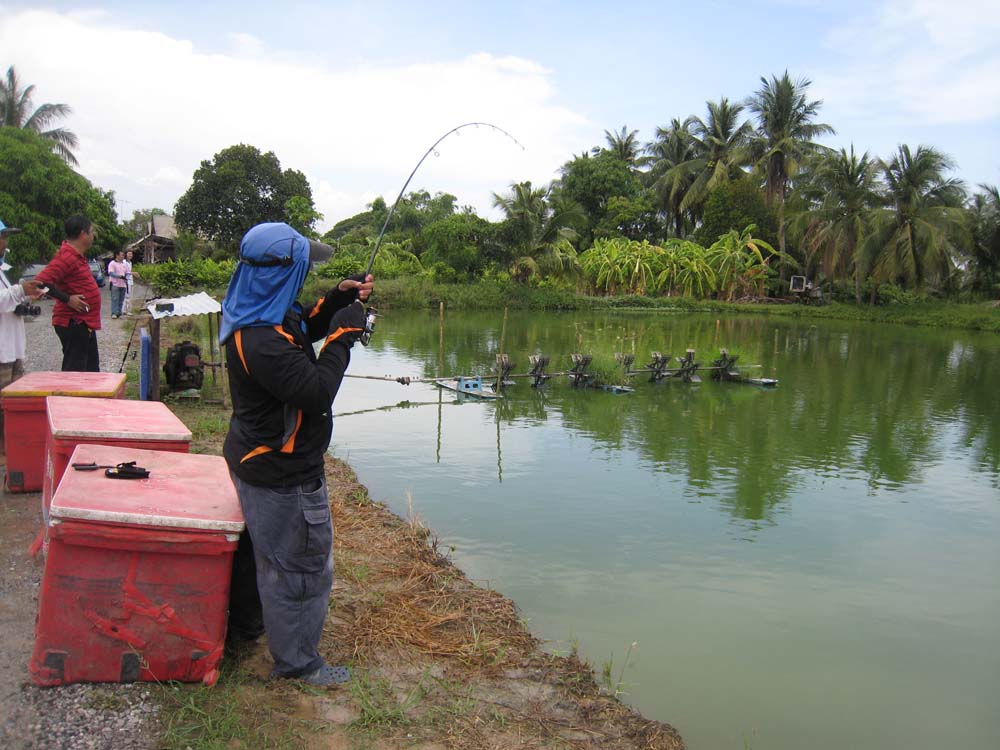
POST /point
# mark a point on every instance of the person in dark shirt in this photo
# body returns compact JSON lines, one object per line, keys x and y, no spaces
{"x":278,"y":435}
{"x":77,"y":318}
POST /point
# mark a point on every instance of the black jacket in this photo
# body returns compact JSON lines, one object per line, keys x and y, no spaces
{"x":282,"y":395}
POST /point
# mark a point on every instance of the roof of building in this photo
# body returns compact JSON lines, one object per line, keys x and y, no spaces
{"x":162,"y":225}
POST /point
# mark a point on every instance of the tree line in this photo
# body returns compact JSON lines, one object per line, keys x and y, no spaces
{"x":727,"y":204}
{"x":745,"y":185}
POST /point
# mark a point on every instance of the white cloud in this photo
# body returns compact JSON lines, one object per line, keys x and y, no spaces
{"x":149,"y":108}
{"x":920,"y":61}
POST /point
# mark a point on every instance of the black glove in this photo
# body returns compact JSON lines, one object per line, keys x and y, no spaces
{"x":341,"y":298}
{"x":347,"y":324}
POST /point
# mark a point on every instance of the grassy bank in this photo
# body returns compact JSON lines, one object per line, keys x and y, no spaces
{"x":415,"y":293}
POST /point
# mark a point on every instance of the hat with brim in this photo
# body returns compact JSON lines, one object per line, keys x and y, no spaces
{"x":5,"y":230}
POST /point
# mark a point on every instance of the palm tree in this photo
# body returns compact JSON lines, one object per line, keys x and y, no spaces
{"x":915,"y":239}
{"x":535,"y":227}
{"x":784,"y":136}
{"x":984,"y":255}
{"x":718,"y":152}
{"x":672,"y":147}
{"x":16,"y":112}
{"x":846,"y":190}
{"x":625,"y":145}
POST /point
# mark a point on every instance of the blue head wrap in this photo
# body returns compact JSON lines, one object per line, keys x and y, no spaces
{"x":274,"y":261}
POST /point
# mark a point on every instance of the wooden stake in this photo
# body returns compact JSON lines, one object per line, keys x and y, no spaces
{"x":503,"y":333}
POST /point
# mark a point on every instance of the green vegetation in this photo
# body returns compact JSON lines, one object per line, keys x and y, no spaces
{"x":38,"y":191}
{"x":241,"y":187}
{"x":174,"y":277}
{"x":223,"y":716}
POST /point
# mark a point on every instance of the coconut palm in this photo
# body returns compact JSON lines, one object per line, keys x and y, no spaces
{"x":535,"y":226}
{"x":16,"y":112}
{"x":916,"y":238}
{"x":846,"y":190}
{"x":984,"y":251}
{"x":672,"y":147}
{"x":719,"y":152}
{"x":624,"y":144}
{"x":784,"y":136}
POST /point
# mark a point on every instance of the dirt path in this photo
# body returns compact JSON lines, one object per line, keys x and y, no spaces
{"x":78,"y":716}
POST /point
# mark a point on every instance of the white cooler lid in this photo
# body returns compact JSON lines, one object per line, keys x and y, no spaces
{"x":113,"y":419}
{"x":183,"y":490}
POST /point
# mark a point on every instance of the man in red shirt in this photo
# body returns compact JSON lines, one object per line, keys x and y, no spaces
{"x":77,"y":320}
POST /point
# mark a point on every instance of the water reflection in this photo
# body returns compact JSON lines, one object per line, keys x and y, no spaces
{"x":877,"y":403}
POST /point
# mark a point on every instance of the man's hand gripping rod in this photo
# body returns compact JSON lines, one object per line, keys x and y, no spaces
{"x":372,"y":312}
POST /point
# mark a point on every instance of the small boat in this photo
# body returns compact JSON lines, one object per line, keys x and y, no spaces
{"x":471,"y":386}
{"x":765,"y":382}
{"x":614,"y":388}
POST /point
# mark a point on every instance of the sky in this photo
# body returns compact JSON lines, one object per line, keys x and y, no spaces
{"x":354,"y":93}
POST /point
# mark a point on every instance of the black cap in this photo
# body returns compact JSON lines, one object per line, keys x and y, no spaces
{"x":319,"y":252}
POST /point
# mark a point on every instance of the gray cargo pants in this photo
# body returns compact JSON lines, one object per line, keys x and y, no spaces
{"x":292,"y":535}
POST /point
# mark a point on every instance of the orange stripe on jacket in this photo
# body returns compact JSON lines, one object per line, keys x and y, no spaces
{"x":336,"y":335}
{"x":287,"y":335}
{"x":256,"y":452}
{"x":239,"y":350}
{"x":315,"y":311}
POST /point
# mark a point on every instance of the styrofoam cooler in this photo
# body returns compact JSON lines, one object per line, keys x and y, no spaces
{"x":136,"y":585}
{"x":25,"y":424}
{"x":124,"y":423}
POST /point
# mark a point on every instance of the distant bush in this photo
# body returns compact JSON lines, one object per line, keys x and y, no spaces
{"x":891,"y":294}
{"x":181,"y":276}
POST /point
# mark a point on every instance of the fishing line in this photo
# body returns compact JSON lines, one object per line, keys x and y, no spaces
{"x":372,"y":312}
{"x":431,"y":150}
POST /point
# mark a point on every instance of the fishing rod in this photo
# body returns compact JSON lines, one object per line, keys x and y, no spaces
{"x":135,"y":325}
{"x":372,"y":312}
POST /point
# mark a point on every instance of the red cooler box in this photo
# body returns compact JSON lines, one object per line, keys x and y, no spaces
{"x":128,"y":424}
{"x":136,"y":586}
{"x":24,"y":424}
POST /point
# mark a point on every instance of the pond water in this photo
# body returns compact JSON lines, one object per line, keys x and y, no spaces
{"x":816,"y":565}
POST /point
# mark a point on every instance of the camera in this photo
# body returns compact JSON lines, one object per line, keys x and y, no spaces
{"x":28,"y":310}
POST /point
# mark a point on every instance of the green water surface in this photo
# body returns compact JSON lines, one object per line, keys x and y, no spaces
{"x":816,"y":565}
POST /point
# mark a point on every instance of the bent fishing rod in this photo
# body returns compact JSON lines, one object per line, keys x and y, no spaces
{"x":372,"y":312}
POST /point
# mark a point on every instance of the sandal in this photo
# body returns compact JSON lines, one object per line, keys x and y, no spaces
{"x":327,"y":675}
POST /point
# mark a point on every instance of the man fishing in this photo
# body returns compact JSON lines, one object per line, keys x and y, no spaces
{"x":279,"y":432}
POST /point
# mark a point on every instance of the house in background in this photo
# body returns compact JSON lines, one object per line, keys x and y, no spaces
{"x":160,"y":242}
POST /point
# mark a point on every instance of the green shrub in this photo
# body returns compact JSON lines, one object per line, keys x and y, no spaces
{"x":891,"y":294}
{"x":182,"y":276}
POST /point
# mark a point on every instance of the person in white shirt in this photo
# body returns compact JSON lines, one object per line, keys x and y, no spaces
{"x":127,"y":302}
{"x":13,"y":297}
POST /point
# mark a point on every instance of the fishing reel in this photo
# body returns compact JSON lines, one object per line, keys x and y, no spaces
{"x":366,"y":334}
